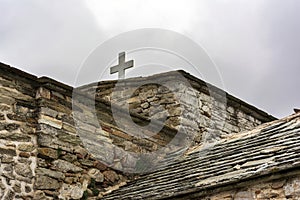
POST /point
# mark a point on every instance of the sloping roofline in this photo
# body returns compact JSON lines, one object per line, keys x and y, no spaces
{"x":194,"y":81}
{"x":271,"y":150}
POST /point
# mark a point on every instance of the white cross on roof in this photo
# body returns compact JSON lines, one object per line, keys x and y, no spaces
{"x":122,"y":66}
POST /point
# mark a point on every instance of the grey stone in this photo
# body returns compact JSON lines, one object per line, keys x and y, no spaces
{"x":96,"y":174}
{"x":46,"y":183}
{"x":71,"y":191}
{"x":48,"y":152}
{"x":23,"y":170}
{"x":8,"y":152}
{"x":26,"y":147}
{"x":64,"y":166}
{"x":50,"y":173}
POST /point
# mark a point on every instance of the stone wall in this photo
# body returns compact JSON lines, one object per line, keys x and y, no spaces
{"x":206,"y":112}
{"x":43,"y":157}
{"x":283,"y":188}
{"x":65,"y":168}
{"x":18,"y":141}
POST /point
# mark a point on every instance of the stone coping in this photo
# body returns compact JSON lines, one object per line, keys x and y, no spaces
{"x":195,"y":82}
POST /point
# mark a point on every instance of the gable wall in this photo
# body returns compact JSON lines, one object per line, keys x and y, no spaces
{"x":42,"y":156}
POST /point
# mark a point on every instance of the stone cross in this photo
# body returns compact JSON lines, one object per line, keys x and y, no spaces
{"x":122,"y":66}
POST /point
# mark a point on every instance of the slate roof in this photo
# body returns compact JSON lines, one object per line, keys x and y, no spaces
{"x":270,"y":148}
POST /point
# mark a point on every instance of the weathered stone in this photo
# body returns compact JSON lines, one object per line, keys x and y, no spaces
{"x":8,"y":168}
{"x":69,"y":180}
{"x":268,"y":193}
{"x":12,"y":136}
{"x":65,"y":166}
{"x":111,"y":176}
{"x":40,"y":138}
{"x":48,"y":152}
{"x":206,"y":111}
{"x":50,"y":121}
{"x":17,"y":117}
{"x":292,"y":188}
{"x":23,"y":170}
{"x":50,"y":173}
{"x":69,"y":128}
{"x":9,"y":195}
{"x":71,"y":191}
{"x":7,"y":158}
{"x":86,"y":162}
{"x":41,"y":162}
{"x":69,"y":157}
{"x":100,"y":165}
{"x":128,"y":161}
{"x":82,"y":151}
{"x":96,"y":174}
{"x":45,"y":182}
{"x":7,"y":100}
{"x":241,"y":195}
{"x":43,"y":92}
{"x":4,"y":107}
{"x":145,"y":105}
{"x":49,"y":112}
{"x":8,"y":152}
{"x":11,"y":127}
{"x":26,"y":147}
{"x":17,"y":188}
{"x":134,"y":100}
{"x":278,"y":184}
{"x":65,"y":137}
{"x":46,"y":140}
{"x":27,"y":130}
{"x":40,"y":195}
{"x":121,"y":135}
{"x":223,"y":196}
{"x":24,"y":154}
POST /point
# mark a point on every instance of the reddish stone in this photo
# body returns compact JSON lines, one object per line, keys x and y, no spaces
{"x":111,"y":176}
{"x":100,"y":166}
{"x":24,"y":154}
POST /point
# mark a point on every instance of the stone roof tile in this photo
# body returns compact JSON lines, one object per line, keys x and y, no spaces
{"x":270,"y":148}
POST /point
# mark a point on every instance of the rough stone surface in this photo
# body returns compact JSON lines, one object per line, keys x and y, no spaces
{"x":260,"y":164}
{"x":43,"y":157}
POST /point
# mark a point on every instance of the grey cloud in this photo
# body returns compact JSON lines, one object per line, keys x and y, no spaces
{"x":279,"y":86}
{"x":254,"y":43}
{"x":47,"y":37}
{"x":256,"y":47}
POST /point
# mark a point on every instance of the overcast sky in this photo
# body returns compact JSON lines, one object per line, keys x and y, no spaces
{"x":254,"y":43}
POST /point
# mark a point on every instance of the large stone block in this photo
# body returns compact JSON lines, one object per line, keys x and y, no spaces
{"x":46,"y":183}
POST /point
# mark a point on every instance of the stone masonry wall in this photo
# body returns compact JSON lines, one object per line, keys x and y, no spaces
{"x":208,"y":113}
{"x":43,"y":157}
{"x":65,"y":168}
{"x":18,"y":141}
{"x":284,"y":188}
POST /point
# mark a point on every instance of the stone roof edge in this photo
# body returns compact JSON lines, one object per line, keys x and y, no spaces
{"x":57,"y":86}
{"x":246,"y":107}
{"x":237,"y":184}
{"x":271,"y":173}
{"x":37,"y":81}
{"x":201,"y":86}
{"x":8,"y":70}
{"x":66,"y":89}
{"x":243,"y":134}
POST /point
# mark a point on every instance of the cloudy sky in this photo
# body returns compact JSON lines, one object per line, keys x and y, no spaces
{"x":255,"y":44}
